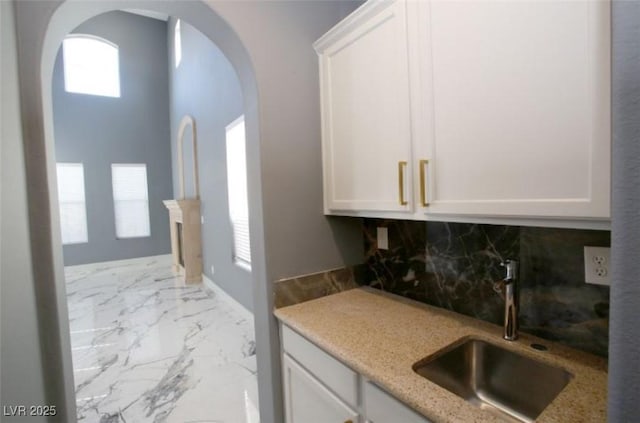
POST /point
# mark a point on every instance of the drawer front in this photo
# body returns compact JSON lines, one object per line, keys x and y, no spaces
{"x":332,"y":373}
{"x":380,"y":407}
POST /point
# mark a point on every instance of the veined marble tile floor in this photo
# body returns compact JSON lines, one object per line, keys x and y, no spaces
{"x":147,"y":348}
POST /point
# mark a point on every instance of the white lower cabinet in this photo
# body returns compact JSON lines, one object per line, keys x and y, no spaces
{"x":380,"y":407}
{"x":320,"y":389}
{"x":309,"y":401}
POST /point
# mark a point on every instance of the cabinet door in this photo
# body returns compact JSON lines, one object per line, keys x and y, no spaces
{"x":381,"y":407}
{"x":309,"y":401}
{"x":516,"y":107}
{"x":365,"y":111}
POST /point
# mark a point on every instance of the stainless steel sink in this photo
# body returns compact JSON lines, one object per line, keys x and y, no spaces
{"x":494,"y":378}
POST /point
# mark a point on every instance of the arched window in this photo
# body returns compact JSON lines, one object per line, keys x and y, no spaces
{"x":91,"y":66}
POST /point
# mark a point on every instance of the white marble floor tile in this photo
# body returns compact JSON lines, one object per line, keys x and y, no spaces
{"x":149,"y":349}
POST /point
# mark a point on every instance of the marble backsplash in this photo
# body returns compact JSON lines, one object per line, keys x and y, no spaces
{"x":309,"y":287}
{"x":455,"y":265}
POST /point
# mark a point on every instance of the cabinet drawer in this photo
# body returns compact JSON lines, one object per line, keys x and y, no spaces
{"x":381,"y":407}
{"x":336,"y":376}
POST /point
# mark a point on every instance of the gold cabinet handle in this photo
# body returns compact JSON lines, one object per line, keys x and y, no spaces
{"x":423,"y":183}
{"x":401,"y":166}
{"x":348,"y":421}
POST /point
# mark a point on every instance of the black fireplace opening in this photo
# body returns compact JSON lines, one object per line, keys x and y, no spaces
{"x":180,"y":243}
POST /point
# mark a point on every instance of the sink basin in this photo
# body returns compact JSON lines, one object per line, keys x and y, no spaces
{"x":494,"y":378}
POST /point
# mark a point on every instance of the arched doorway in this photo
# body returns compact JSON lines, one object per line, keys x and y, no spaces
{"x":59,"y":19}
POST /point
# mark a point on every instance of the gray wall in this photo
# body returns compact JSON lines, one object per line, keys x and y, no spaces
{"x":22,"y":380}
{"x":206,"y":87}
{"x":279,"y":35}
{"x":289,"y":233}
{"x":624,"y":337}
{"x":134,"y":128}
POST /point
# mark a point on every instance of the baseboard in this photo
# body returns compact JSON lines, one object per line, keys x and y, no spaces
{"x":212,"y":286}
{"x":115,"y":263}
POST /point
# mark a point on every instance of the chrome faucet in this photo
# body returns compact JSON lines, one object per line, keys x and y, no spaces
{"x":510,"y":299}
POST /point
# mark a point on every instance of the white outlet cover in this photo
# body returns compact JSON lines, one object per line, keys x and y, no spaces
{"x":383,"y":238}
{"x":597,"y":262}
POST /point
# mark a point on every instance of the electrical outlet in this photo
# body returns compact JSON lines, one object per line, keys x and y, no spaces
{"x":202,"y":220}
{"x":596,"y":265}
{"x":212,"y":271}
{"x":383,"y":238}
{"x":601,"y":272}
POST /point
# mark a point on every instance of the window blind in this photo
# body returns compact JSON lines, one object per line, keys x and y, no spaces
{"x":71,"y":199}
{"x":237,"y":188}
{"x":130,"y":200}
{"x":177,"y":43}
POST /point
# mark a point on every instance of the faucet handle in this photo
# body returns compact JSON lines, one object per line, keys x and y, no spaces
{"x":512,"y":269}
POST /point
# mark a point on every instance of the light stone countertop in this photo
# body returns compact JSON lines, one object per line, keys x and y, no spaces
{"x":382,"y":335}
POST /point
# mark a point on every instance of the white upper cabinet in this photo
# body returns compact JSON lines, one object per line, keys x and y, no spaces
{"x":366,"y":131}
{"x":500,"y":110}
{"x":514,"y":111}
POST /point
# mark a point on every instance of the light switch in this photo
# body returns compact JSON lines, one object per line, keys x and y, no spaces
{"x":383,"y":239}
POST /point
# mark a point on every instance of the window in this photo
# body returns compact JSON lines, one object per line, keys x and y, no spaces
{"x":130,"y":200}
{"x":73,"y":211}
{"x":177,"y":43}
{"x":91,"y":66}
{"x":237,"y":186}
